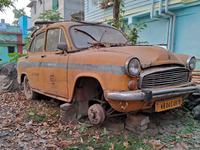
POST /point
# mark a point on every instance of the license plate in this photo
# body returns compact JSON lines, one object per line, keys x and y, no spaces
{"x":167,"y":104}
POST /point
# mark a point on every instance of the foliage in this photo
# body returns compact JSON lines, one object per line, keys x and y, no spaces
{"x":15,"y":57}
{"x":50,"y":15}
{"x":27,"y":41}
{"x":17,"y":14}
{"x":5,"y":4}
{"x":2,"y":64}
{"x":133,"y":30}
{"x":118,"y":22}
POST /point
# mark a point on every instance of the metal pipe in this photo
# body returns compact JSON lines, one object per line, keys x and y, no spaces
{"x":173,"y":25}
{"x":151,"y":14}
{"x":169,"y":28}
{"x":43,"y":6}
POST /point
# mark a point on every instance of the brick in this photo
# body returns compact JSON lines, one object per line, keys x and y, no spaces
{"x":139,"y":120}
{"x":65,"y":119}
{"x":67,"y":113}
{"x":136,"y":129}
{"x":67,"y":106}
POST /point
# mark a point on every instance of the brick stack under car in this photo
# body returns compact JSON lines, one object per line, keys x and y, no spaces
{"x":196,"y":76}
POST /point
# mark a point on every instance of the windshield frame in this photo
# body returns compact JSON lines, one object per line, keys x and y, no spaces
{"x":102,"y":25}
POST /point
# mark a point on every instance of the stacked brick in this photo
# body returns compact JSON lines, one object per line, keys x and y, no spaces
{"x":196,"y":76}
{"x":137,"y":123}
{"x":67,"y":113}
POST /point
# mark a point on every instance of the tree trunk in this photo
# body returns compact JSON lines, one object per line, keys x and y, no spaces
{"x":116,"y":7}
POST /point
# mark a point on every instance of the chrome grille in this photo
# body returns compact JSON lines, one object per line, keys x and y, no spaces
{"x":164,"y":77}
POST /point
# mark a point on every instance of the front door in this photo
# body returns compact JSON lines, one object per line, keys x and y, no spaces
{"x":54,"y":64}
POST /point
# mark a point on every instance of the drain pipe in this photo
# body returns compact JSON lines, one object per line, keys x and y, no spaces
{"x":169,"y":25}
{"x":43,"y":6}
{"x":151,"y":14}
{"x":174,"y":23}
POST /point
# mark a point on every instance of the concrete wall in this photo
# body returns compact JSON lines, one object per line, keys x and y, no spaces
{"x":65,"y":7}
{"x":72,"y":6}
{"x":4,"y":52}
{"x":9,"y":36}
{"x":24,"y":23}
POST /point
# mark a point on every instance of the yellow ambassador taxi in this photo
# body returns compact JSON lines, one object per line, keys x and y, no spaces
{"x":92,"y":66}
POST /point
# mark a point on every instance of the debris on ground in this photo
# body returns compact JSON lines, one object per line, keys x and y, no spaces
{"x":36,"y":124}
{"x":8,"y":78}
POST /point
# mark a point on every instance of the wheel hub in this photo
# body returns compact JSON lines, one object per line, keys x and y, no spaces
{"x":96,"y":114}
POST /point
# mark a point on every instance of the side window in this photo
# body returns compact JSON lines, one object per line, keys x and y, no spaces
{"x":62,"y":37}
{"x":31,"y":49}
{"x":53,"y":37}
{"x":39,"y":41}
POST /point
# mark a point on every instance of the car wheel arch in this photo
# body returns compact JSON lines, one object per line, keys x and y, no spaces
{"x":83,"y":85}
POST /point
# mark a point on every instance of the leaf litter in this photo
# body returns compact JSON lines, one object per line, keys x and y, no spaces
{"x":35,"y":124}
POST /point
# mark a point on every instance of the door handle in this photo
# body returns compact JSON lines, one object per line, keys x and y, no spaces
{"x":43,"y":56}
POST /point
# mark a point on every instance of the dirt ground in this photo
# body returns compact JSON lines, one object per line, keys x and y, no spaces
{"x":34,"y":124}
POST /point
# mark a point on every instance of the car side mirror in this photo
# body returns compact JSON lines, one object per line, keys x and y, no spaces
{"x":62,"y":46}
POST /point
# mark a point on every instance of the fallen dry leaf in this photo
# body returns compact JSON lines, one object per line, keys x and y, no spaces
{"x":156,"y":144}
{"x":64,"y":144}
{"x":187,"y":136}
{"x":145,"y":141}
{"x":90,"y":148}
{"x":81,"y":140}
{"x":45,"y":124}
{"x":112,"y":147}
{"x":125,"y":144}
{"x":173,"y":143}
{"x":183,"y":145}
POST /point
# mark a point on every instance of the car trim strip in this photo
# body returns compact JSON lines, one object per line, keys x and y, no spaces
{"x":114,"y":69}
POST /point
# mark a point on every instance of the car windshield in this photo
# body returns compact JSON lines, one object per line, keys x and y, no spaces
{"x":84,"y":35}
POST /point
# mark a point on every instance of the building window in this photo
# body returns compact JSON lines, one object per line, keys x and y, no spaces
{"x":11,"y":49}
{"x":54,"y":5}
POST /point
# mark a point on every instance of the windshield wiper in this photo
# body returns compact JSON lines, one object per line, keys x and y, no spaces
{"x":85,"y":33}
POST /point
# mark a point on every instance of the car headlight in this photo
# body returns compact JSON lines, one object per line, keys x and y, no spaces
{"x":191,"y":62}
{"x":132,"y":67}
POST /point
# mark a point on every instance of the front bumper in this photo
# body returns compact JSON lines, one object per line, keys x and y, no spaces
{"x":147,"y":95}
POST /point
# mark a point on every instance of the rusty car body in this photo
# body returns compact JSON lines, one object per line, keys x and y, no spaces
{"x":91,"y":65}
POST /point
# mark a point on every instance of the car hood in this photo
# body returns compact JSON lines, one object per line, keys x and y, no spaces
{"x":148,"y":55}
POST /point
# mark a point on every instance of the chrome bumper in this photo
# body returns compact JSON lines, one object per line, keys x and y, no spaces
{"x":148,"y":95}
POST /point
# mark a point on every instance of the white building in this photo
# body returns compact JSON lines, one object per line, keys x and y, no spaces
{"x":65,"y":7}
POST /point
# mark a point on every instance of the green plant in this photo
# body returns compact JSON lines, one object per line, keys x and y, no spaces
{"x":132,"y":31}
{"x":15,"y":56}
{"x":5,"y":4}
{"x":27,"y":41}
{"x":32,"y":114}
{"x":17,"y":14}
{"x":50,"y":15}
{"x":1,"y":64}
{"x":118,"y":21}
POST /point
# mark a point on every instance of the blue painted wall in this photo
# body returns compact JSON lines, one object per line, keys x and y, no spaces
{"x":25,"y":24}
{"x":4,"y":52}
{"x":8,"y":37}
{"x":187,"y":30}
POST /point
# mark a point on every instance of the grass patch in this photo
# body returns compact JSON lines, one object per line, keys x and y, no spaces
{"x":41,"y":112}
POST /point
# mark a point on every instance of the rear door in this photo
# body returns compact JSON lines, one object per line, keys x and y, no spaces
{"x":54,"y":64}
{"x":33,"y":61}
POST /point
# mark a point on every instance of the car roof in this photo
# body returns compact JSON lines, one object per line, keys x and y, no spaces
{"x":66,"y":24}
